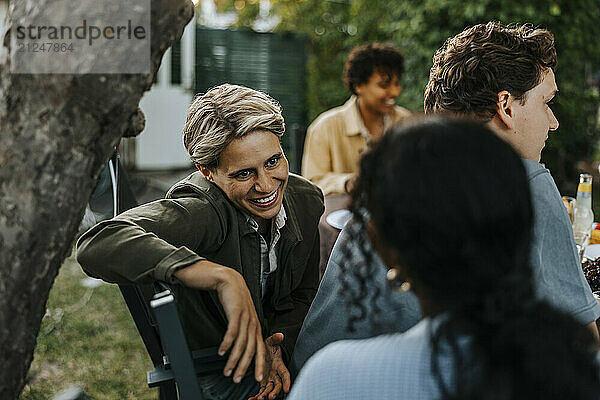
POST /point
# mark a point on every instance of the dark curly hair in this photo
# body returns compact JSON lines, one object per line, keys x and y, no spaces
{"x":364,"y":60}
{"x":451,"y":201}
{"x":471,"y":68}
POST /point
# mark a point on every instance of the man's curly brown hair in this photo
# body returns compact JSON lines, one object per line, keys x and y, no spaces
{"x":364,"y":60}
{"x":471,"y":68}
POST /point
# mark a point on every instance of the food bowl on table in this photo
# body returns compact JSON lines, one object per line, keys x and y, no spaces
{"x":591,"y":266}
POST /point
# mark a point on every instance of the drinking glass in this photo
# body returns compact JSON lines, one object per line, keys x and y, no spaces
{"x":569,"y":203}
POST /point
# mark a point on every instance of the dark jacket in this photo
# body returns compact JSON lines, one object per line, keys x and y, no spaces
{"x":196,"y":221}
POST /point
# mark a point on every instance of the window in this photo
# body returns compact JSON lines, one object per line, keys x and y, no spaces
{"x":176,"y":63}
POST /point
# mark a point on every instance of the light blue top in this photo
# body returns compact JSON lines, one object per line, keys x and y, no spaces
{"x":558,"y":276}
{"x":327,"y":317}
{"x":396,"y":366}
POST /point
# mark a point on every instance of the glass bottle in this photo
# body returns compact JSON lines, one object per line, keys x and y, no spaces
{"x":583,"y":217}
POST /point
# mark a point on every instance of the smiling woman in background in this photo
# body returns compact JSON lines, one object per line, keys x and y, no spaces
{"x":336,"y":138}
{"x":232,"y":239}
{"x":456,"y":228}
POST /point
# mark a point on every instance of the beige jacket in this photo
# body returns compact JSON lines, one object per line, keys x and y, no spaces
{"x":333,"y":146}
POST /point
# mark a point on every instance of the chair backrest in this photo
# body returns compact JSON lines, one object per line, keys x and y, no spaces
{"x":136,"y":297}
{"x":154,"y":313}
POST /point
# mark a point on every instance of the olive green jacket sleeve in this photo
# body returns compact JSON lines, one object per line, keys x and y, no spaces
{"x":150,"y":242}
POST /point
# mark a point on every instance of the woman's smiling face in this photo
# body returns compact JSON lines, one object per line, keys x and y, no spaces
{"x":253,"y":173}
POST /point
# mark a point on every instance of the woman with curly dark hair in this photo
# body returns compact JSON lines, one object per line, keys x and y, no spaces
{"x":446,"y":202}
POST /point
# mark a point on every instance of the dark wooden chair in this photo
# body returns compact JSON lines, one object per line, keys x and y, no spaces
{"x":154,"y":312}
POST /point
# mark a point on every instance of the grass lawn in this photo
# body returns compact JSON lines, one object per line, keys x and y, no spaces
{"x":88,"y":339}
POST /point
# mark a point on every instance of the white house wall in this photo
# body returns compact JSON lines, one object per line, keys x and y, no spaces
{"x":3,"y":16}
{"x":165,"y":106}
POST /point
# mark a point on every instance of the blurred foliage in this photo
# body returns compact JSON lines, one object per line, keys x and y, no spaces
{"x":419,"y":27}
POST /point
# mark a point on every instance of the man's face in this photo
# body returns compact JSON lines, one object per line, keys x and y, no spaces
{"x":380,"y":92}
{"x":253,"y":173}
{"x":533,"y":119}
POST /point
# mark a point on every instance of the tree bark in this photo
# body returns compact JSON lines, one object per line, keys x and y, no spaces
{"x":56,"y":133}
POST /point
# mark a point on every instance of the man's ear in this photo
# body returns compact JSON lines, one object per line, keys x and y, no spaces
{"x":206,"y":172}
{"x":504,"y":109}
{"x":358,"y":88}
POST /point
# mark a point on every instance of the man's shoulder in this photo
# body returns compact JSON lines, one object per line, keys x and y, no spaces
{"x":534,"y":169}
{"x":401,"y":113}
{"x":334,"y":116}
{"x":541,"y":184}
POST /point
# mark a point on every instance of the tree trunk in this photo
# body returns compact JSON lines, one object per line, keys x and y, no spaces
{"x":56,"y":133}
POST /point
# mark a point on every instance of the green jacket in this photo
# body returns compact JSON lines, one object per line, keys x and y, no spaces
{"x":196,"y":221}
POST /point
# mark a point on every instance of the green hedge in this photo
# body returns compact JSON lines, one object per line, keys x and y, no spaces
{"x":419,"y":27}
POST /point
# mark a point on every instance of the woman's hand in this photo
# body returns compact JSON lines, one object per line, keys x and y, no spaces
{"x":277,"y":376}
{"x":350,"y":184}
{"x":243,"y":329}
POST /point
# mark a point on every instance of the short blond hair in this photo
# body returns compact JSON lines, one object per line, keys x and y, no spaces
{"x":224,"y":113}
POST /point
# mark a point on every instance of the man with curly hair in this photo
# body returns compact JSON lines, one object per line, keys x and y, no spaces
{"x":504,"y":76}
{"x":336,"y":139}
